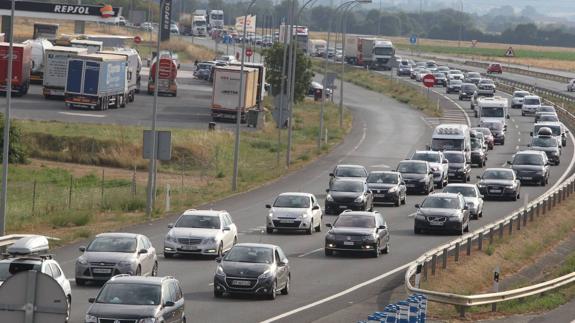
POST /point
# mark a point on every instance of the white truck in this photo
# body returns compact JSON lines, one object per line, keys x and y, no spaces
{"x":39,"y":47}
{"x":490,"y":109}
{"x":56,"y":69}
{"x":225,"y":92}
{"x":93,"y":46}
{"x":452,"y":136}
{"x":301,"y":34}
{"x":216,"y":19}
{"x":316,"y":47}
{"x":133,"y":68}
{"x":374,"y":53}
{"x":199,"y":26}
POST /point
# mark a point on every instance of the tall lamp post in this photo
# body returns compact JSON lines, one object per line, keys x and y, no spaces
{"x":343,"y":34}
{"x":323,"y":96}
{"x":240,"y":100}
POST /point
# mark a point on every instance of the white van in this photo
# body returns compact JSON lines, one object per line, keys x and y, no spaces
{"x":492,"y":109}
{"x":531,"y":103}
{"x":453,"y":137}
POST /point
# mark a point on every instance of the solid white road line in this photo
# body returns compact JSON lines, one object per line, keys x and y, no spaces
{"x":458,"y":106}
{"x":83,"y":114}
{"x":310,"y":252}
{"x":334,"y":296}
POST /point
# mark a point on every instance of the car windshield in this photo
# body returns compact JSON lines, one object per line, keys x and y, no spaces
{"x":292,"y":201}
{"x":473,"y":75}
{"x":437,"y":202}
{"x":439,"y":75}
{"x":466,"y":191}
{"x":484,"y":131}
{"x":455,"y":82}
{"x":383,"y":51}
{"x":429,"y":157}
{"x":520,"y":94}
{"x":350,"y":172}
{"x":355,"y":221}
{"x":475,"y":143}
{"x":446,"y":144}
{"x":486,"y":82}
{"x":469,"y":87}
{"x":498,"y":174}
{"x":546,"y":109}
{"x":8,"y":269}
{"x":548,"y":118}
{"x":454,"y":158}
{"x":492,"y":112}
{"x":198,"y":221}
{"x":413,"y":168}
{"x":532,"y":101}
{"x":528,"y":159}
{"x":112,"y":244}
{"x":347,"y":186}
{"x":544,"y":142}
{"x":250,"y":254}
{"x":130,"y":294}
{"x":555,"y":129}
{"x":383,"y":178}
{"x":455,"y":72}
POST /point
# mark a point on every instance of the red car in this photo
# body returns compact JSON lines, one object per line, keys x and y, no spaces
{"x":495,"y":68}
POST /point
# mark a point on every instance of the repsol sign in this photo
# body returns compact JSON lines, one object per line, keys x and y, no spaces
{"x":79,"y":10}
{"x":166,"y":20}
{"x":94,"y":11}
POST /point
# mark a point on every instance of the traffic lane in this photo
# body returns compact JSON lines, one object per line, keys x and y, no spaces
{"x":248,"y":212}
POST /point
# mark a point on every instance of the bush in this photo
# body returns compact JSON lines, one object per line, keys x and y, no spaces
{"x":70,"y":218}
{"x":132,"y":205}
{"x":16,"y":152}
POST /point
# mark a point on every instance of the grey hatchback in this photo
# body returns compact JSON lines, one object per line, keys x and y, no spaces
{"x":130,"y":299}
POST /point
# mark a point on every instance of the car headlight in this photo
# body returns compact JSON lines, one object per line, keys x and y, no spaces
{"x":435,"y":169}
{"x":481,"y":185}
{"x":90,"y":319}
{"x":82,"y":260}
{"x":330,"y":236}
{"x":210,"y":240}
{"x":359,"y":199}
{"x":220,"y":271}
{"x":148,"y":320}
{"x":266,"y":274}
{"x":125,"y":264}
{"x":423,"y":180}
{"x":461,"y":170}
{"x":171,"y":237}
{"x":393,"y":189}
{"x":329,"y":198}
{"x":510,"y":186}
{"x":369,"y":239}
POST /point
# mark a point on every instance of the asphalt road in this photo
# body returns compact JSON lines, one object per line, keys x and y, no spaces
{"x":384,"y":133}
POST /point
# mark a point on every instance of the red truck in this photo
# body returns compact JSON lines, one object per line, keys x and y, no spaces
{"x":21,"y":65}
{"x":167,"y":77}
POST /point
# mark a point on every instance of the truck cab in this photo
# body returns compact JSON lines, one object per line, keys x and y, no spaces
{"x":199,"y":26}
{"x":492,"y":109}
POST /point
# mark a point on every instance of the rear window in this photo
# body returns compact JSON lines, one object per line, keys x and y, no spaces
{"x":532,"y":101}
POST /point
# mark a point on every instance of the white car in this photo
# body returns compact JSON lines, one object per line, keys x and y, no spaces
{"x":531,"y":103}
{"x":419,"y":76}
{"x":471,"y":195}
{"x":571,"y":86}
{"x":201,"y":232}
{"x":227,"y":58}
{"x":29,"y":253}
{"x":455,"y":74}
{"x":517,"y":99}
{"x":438,"y":164}
{"x":294,"y":211}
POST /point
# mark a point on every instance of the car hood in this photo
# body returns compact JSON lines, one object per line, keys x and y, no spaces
{"x":108,"y":256}
{"x":555,"y":149}
{"x":118,"y":311}
{"x":469,"y":199}
{"x":436,"y":165}
{"x":456,"y":165}
{"x":517,"y":100}
{"x":496,"y":182}
{"x":244,"y":269}
{"x":477,"y":150}
{"x":413,"y":176}
{"x":355,"y":178}
{"x":491,"y":120}
{"x":380,"y":185}
{"x":194,"y":232}
{"x":526,"y":167}
{"x":338,"y":195}
{"x":288,"y":212}
{"x":437,"y":212}
{"x":351,"y":231}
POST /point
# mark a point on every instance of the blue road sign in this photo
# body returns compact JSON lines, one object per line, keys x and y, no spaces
{"x":413,"y":39}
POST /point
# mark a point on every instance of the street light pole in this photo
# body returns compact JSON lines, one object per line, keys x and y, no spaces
{"x":6,"y":138}
{"x":460,"y":22}
{"x":343,"y":34}
{"x":240,"y":101}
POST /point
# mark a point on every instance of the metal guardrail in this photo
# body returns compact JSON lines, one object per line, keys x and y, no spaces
{"x":519,"y":218}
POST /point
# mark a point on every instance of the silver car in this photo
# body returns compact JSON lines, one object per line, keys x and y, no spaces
{"x":111,"y":254}
{"x":471,"y":195}
{"x":294,"y":211}
{"x":201,"y":232}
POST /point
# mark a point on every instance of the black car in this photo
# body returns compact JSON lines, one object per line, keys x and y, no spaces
{"x":442,"y":212}
{"x":440,"y":79}
{"x":348,"y":194}
{"x":531,"y":166}
{"x":478,"y":155}
{"x":348,"y":171}
{"x":387,"y":187}
{"x":358,"y":232}
{"x":253,"y":268}
{"x":499,"y":183}
{"x":417,"y":175}
{"x":467,"y":91}
{"x":472,"y":77}
{"x":126,"y":298}
{"x":459,"y":169}
{"x":497,"y":130}
{"x":453,"y":86}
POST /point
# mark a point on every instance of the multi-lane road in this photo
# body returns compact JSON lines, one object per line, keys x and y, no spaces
{"x":384,"y":132}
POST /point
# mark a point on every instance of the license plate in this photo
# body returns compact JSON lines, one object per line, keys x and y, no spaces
{"x":101,"y":270}
{"x":189,"y":247}
{"x":287,"y":221}
{"x":494,"y":191}
{"x":379,"y":195}
{"x":343,"y":206}
{"x":527,"y":178}
{"x":241,"y":283}
{"x":348,"y":243}
{"x":436,"y":223}
{"x":410,"y":185}
{"x":451,"y":174}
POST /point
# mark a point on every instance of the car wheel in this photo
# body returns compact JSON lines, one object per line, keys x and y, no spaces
{"x":467,"y":227}
{"x":68,"y":308}
{"x":376,"y":251}
{"x":542,"y":183}
{"x":515,"y":197}
{"x":217,"y":293}
{"x":309,"y":230}
{"x":318,"y":228}
{"x":139,"y":271}
{"x":440,"y":184}
{"x":285,"y":290}
{"x":398,"y":202}
{"x":154,"y":272}
{"x":269,"y":230}
{"x":461,"y":230}
{"x":328,"y":252}
{"x":404,"y":199}
{"x":272,"y":295}
{"x":220,"y":250}
{"x":387,"y":249}
{"x":80,"y":282}
{"x":522,"y":113}
{"x":235,"y":241}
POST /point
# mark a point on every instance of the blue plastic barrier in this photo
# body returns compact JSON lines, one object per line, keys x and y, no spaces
{"x":410,"y":310}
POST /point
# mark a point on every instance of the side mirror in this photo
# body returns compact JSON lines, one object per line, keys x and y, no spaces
{"x":91,"y":300}
{"x":509,"y":162}
{"x":430,"y":173}
{"x":417,"y":206}
{"x":528,"y":145}
{"x":331,"y":175}
{"x":268,"y":206}
{"x":226,"y":228}
{"x":143,"y":251}
{"x":82,"y":249}
{"x":315,"y":207}
{"x":531,"y":133}
{"x":281,"y":263}
{"x":169,"y":304}
{"x":481,"y":196}
{"x":327,"y":190}
{"x":478,"y":177}
{"x":402,"y":183}
{"x":382,"y":227}
{"x":329,"y":225}
{"x":170,"y":225}
{"x":466,"y":207}
{"x":445,"y":161}
{"x":508,"y":116}
{"x":218,"y":259}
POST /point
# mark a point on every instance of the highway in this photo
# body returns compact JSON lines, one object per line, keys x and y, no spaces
{"x":384,"y":132}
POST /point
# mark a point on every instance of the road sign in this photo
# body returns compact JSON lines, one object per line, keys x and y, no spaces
{"x":330,"y":79}
{"x":137,"y":39}
{"x":474,"y":43}
{"x":163,"y":145}
{"x":429,"y":80}
{"x":413,"y":39}
{"x":249,"y":52}
{"x":510,"y":52}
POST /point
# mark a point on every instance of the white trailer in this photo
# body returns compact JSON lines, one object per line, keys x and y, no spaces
{"x":133,"y":70}
{"x":225,"y":92}
{"x":316,"y":47}
{"x":56,"y":69}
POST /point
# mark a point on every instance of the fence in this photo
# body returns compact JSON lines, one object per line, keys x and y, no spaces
{"x":411,"y":310}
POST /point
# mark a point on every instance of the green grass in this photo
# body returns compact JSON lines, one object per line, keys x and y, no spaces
{"x":491,"y":52}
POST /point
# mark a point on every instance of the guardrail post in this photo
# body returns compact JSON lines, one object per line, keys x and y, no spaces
{"x":553,"y":199}
{"x":544,"y":207}
{"x":433,"y":264}
{"x":510,"y":226}
{"x":525,"y":217}
{"x":480,"y":241}
{"x":532,"y":212}
{"x":550,"y":202}
{"x":445,"y":254}
{"x":491,"y":233}
{"x":469,"y":241}
{"x":501,"y":228}
{"x":457,"y":250}
{"x":518,"y":221}
{"x":424,"y":269}
{"x":461,"y":311}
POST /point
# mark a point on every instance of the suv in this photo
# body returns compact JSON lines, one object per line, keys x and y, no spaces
{"x":29,"y":253}
{"x":442,"y":212}
{"x":544,"y":109}
{"x":358,"y":232}
{"x":458,"y":167}
{"x":388,"y":187}
{"x":546,"y":142}
{"x":439,"y":165}
{"x":348,"y":194}
{"x":111,"y":254}
{"x":126,"y":298}
{"x":531,"y":103}
{"x":201,"y":232}
{"x":517,"y":99}
{"x":453,"y":85}
{"x":531,"y":166}
{"x":294,"y":211}
{"x":467,"y":91}
{"x":486,"y":87}
{"x":473,"y":77}
{"x":499,"y":183}
{"x":417,"y":175}
{"x":494,"y":68}
{"x":478,"y":155}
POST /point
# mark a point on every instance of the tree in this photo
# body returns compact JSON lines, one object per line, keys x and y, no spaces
{"x":17,"y":153}
{"x":303,"y":74}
